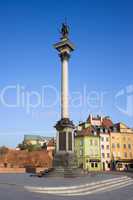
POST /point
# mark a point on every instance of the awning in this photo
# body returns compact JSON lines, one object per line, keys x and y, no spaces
{"x":94,"y":160}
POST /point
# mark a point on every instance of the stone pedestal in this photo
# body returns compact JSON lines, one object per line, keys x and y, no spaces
{"x":65,"y":164}
{"x":65,"y":136}
{"x":65,"y":159}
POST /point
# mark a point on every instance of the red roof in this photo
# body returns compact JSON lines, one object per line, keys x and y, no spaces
{"x":107,"y":123}
{"x":85,"y":132}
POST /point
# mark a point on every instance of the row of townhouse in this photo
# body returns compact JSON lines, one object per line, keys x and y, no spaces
{"x":102,"y":145}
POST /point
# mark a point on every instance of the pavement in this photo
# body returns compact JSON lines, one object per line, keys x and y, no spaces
{"x":94,"y":186}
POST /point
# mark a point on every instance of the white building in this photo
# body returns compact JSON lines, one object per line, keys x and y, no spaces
{"x":105,"y":151}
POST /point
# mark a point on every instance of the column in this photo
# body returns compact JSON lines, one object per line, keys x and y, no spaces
{"x":67,"y":141}
{"x":57,"y":141}
{"x":73,"y":141}
{"x":64,"y":85}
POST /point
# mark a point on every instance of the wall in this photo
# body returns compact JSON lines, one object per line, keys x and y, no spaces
{"x":79,"y":147}
{"x":92,"y":152}
{"x":12,"y":170}
{"x":89,"y":152}
{"x":118,"y":152}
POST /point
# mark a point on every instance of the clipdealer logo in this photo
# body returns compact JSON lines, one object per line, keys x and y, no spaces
{"x":27,"y":99}
{"x":124,"y":100}
{"x":49,"y":97}
{"x":93,"y":100}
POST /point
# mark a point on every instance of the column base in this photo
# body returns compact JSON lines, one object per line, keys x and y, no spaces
{"x":65,"y":160}
{"x":65,"y":165}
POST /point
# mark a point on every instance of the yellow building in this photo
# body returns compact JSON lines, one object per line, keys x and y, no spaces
{"x":121,"y":139}
{"x":87,"y":149}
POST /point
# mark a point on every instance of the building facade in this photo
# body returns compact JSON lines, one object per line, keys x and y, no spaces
{"x":99,"y":127}
{"x":121,"y":138}
{"x":105,"y":151}
{"x":87,"y":149}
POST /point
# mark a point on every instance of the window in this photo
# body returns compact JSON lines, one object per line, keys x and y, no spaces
{"x":129,"y":146}
{"x":124,"y":146}
{"x":118,"y":145}
{"x":113,"y":145}
{"x":102,"y":146}
{"x":107,"y":146}
{"x":102,"y":139}
{"x":107,"y":139}
{"x":92,"y":165}
{"x":96,"y":165}
{"x":91,"y":142}
{"x":95,"y":142}
{"x":130,"y":154}
{"x":95,"y":133}
{"x":101,"y":130}
{"x":108,"y":165}
{"x":81,"y":152}
{"x":108,"y":155}
{"x":106,"y":130}
{"x":98,"y":130}
{"x":81,"y":142}
{"x":125,"y":154}
{"x":103,"y":155}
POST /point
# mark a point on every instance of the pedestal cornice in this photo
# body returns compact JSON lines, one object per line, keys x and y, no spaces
{"x":64,"y":123}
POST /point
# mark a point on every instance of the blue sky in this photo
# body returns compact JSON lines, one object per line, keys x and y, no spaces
{"x":100,"y":68}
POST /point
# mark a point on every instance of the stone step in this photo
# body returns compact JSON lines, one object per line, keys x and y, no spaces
{"x":64,"y":172}
{"x":85,"y":189}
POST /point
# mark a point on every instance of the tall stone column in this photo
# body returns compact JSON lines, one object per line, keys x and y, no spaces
{"x":64,"y":156}
{"x":64,"y":85}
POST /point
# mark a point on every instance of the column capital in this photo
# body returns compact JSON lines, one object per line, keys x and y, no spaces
{"x":64,"y":56}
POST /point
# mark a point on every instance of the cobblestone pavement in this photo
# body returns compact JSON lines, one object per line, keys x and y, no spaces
{"x":12,"y":187}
